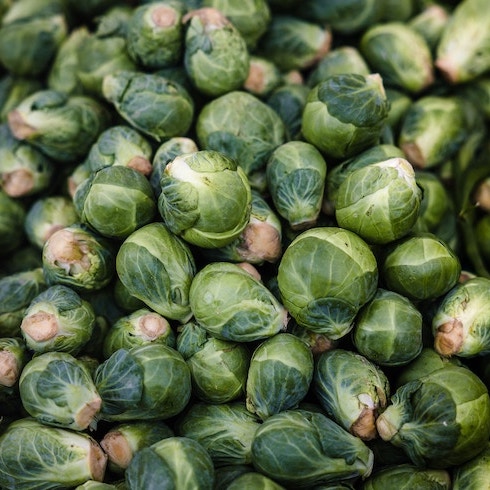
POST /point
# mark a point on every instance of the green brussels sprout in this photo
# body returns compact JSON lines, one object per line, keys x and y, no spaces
{"x":407,"y":476}
{"x":345,"y":17}
{"x":63,"y":72}
{"x":13,"y":358}
{"x":338,"y":173}
{"x":62,"y":127}
{"x":58,"y":319}
{"x":460,"y":325}
{"x":115,"y":201}
{"x":285,"y":357}
{"x":157,"y":267}
{"x":216,"y":57}
{"x":121,"y":145}
{"x":205,"y":198}
{"x":164,"y":154}
{"x":218,"y":368}
{"x":255,"y":480}
{"x":12,"y":216}
{"x":462,"y":51}
{"x":295,"y":448}
{"x":340,"y":60}
{"x":57,"y":390}
{"x":225,"y":430}
{"x":400,"y":55}
{"x":34,"y":455}
{"x":352,"y":390}
{"x":439,"y":420}
{"x":77,"y":257}
{"x":173,"y":462}
{"x":420,"y":267}
{"x":388,"y":329}
{"x":430,"y":22}
{"x":128,"y":91}
{"x":155,"y":34}
{"x":288,"y":101}
{"x":17,"y":290}
{"x":432,"y":130}
{"x":263,"y":77}
{"x":473,"y":474}
{"x":250,"y":17}
{"x":97,"y":485}
{"x":294,"y":43}
{"x":326,"y":299}
{"x":46,"y":216}
{"x":140,"y":327}
{"x":146,"y":382}
{"x":259,"y":242}
{"x":123,"y":440}
{"x":241,"y":126}
{"x":231,"y":304}
{"x":380,"y":202}
{"x":30,"y":35}
{"x":104,"y":51}
{"x":345,"y":114}
{"x":13,"y":90}
{"x":24,"y":170}
{"x":296,"y":173}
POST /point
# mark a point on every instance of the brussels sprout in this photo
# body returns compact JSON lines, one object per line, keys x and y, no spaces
{"x":352,"y":390}
{"x":250,"y":17}
{"x":432,"y":130}
{"x":62,"y":127}
{"x":460,"y":324}
{"x":128,"y":91}
{"x":218,"y":368}
{"x":174,"y":462}
{"x":62,"y":75}
{"x":285,"y":357}
{"x":345,"y":114}
{"x":294,"y":43}
{"x":420,"y":267}
{"x":388,"y":329}
{"x":462,"y":51}
{"x":30,"y":35}
{"x":157,"y":267}
{"x":263,"y":77}
{"x":231,"y":304}
{"x":400,"y":55}
{"x":96,"y":485}
{"x":288,"y":102}
{"x":123,"y":440}
{"x":13,"y":358}
{"x":48,"y":215}
{"x":439,"y":420}
{"x":340,"y":60}
{"x":164,"y":154}
{"x":155,"y":34}
{"x":115,"y":201}
{"x":225,"y":430}
{"x":406,"y":476}
{"x":57,"y":389}
{"x":34,"y":455}
{"x":121,"y":145}
{"x":326,"y":299}
{"x":379,"y":202}
{"x":17,"y":290}
{"x":205,"y":198}
{"x":295,"y":448}
{"x":77,"y":257}
{"x":140,"y":327}
{"x":147,"y":382}
{"x":255,"y":480}
{"x":296,"y":173}
{"x":430,"y":23}
{"x":58,"y":319}
{"x":473,"y":474}
{"x":13,"y":90}
{"x":241,"y":126}
{"x":216,"y":57}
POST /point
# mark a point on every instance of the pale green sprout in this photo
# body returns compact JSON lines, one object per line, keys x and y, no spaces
{"x":13,"y":358}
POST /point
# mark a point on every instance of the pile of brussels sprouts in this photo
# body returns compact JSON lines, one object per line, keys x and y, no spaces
{"x":244,"y":244}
